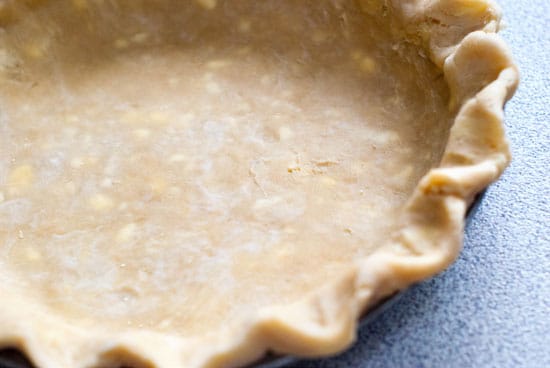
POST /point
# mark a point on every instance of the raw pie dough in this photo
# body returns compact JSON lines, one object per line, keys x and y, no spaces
{"x":193,"y":183}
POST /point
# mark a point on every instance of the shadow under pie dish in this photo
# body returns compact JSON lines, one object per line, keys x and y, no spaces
{"x":194,"y":184}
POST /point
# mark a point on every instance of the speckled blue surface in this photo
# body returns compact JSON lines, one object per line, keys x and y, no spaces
{"x":492,"y":307}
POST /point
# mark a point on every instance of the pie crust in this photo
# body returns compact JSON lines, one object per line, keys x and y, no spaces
{"x":195,"y":184}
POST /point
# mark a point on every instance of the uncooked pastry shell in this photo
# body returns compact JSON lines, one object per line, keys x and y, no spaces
{"x":459,"y":36}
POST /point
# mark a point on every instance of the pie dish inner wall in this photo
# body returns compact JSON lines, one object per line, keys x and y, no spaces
{"x":175,"y":166}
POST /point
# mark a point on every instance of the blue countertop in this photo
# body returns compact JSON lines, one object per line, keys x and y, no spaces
{"x":492,"y":307}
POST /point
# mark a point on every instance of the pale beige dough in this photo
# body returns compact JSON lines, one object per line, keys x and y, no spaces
{"x":175,"y":167}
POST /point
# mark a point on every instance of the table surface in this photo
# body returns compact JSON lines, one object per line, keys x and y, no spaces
{"x":492,"y":307}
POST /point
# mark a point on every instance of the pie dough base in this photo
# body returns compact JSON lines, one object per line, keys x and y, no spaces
{"x":215,"y":179}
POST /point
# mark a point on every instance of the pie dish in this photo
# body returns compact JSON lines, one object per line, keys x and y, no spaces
{"x":194,"y":184}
